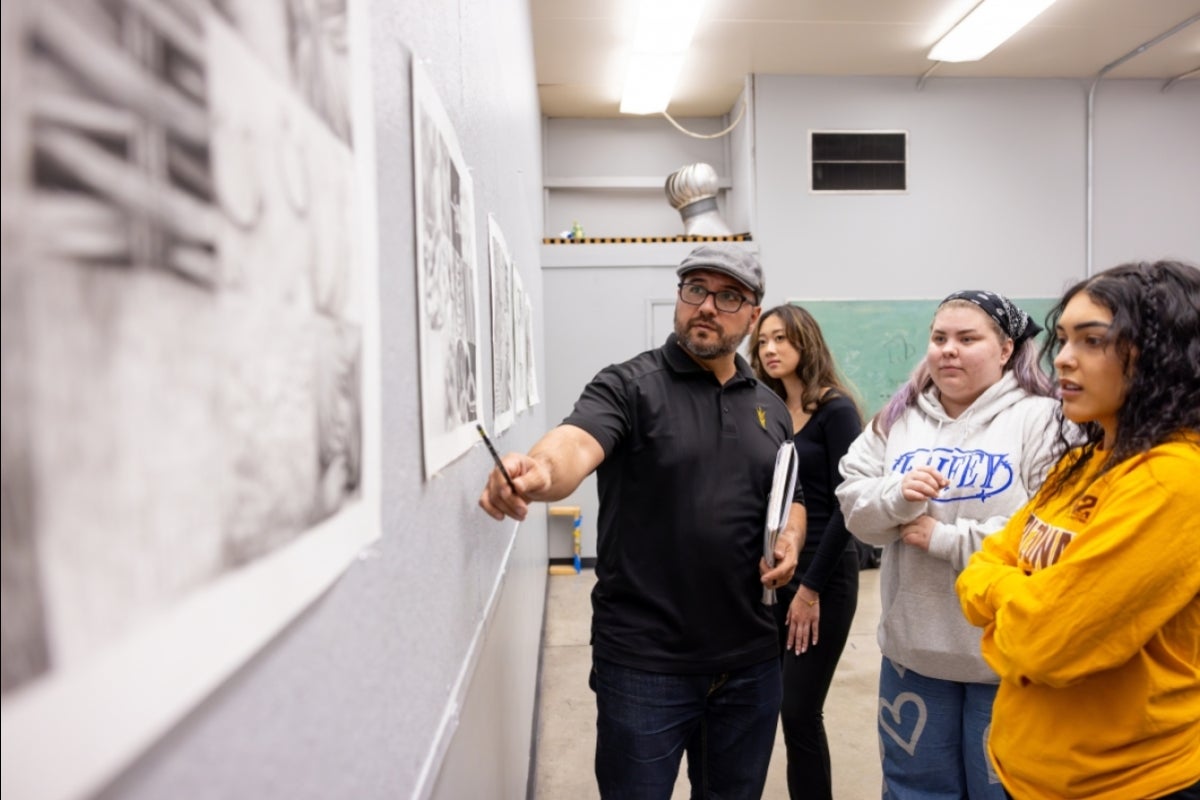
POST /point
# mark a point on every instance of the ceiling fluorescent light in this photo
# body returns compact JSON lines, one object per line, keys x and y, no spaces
{"x":662,"y":36}
{"x":987,"y":26}
{"x":649,"y":82}
{"x":666,"y":26}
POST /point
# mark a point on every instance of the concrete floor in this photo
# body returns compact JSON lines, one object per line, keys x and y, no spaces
{"x":567,"y":710}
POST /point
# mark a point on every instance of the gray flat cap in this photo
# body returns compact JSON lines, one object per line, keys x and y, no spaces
{"x":728,"y":259}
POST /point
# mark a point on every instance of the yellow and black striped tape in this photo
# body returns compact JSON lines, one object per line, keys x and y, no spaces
{"x":733,"y":237}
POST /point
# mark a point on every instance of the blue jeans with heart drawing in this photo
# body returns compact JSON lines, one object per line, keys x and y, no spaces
{"x":934,"y":737}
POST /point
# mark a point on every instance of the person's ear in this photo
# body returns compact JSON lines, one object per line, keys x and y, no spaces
{"x":1131,"y":362}
{"x":1006,"y":352}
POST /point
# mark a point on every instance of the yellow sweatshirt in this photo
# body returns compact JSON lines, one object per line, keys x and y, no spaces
{"x":1090,"y":606}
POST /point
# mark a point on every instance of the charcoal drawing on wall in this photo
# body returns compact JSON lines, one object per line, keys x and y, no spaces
{"x":520,"y":305}
{"x":183,"y":318}
{"x":502,"y":328}
{"x":447,"y":307}
{"x":527,"y":342}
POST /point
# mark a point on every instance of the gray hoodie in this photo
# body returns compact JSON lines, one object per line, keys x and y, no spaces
{"x":995,"y":455}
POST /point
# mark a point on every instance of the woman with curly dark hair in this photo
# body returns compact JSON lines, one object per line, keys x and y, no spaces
{"x":1090,"y":597}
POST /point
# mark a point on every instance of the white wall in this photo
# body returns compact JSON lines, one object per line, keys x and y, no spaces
{"x":740,"y":212}
{"x":415,"y":675}
{"x":994,"y":200}
{"x":996,"y":184}
{"x":1147,"y":172}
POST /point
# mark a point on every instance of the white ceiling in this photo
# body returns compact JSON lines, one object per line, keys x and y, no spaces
{"x":580,"y":46}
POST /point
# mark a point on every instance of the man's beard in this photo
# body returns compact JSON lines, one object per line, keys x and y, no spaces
{"x":724,"y":345}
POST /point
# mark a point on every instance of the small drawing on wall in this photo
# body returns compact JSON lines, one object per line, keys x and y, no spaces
{"x":446,"y":282}
{"x":503,"y":404}
{"x":521,"y":353}
{"x":186,"y":433}
{"x":531,"y":392}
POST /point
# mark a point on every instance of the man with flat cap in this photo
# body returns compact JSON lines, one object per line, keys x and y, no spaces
{"x":683,"y":440}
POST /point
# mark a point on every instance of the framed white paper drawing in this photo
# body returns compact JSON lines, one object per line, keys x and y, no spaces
{"x":503,"y":405}
{"x":446,"y":282}
{"x":521,"y":353}
{"x":191,"y":394}
{"x":531,"y":390}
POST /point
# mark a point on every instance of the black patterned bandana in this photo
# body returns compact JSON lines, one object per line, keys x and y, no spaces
{"x":1015,"y":323}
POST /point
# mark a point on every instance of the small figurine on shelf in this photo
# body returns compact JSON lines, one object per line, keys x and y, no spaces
{"x":576,"y":230}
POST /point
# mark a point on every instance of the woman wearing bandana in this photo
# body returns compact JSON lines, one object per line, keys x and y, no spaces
{"x":956,"y":451}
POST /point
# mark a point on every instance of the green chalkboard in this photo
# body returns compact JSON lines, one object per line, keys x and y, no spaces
{"x":876,"y":343}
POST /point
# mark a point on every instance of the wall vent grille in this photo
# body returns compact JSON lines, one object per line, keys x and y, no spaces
{"x":859,"y":161}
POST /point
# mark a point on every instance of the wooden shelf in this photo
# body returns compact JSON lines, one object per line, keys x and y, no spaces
{"x":615,"y":182}
{"x":641,"y":254}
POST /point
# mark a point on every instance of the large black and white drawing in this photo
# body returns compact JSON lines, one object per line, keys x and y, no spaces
{"x":446,"y":282}
{"x":189,"y":396}
{"x":502,"y":328}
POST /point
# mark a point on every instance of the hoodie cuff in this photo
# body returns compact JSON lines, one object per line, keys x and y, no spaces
{"x":943,"y":541}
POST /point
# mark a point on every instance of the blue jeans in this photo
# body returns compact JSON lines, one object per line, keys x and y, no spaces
{"x":934,"y":737}
{"x":646,"y":720}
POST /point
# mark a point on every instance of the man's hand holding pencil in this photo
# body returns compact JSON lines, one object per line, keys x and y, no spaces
{"x":501,"y":495}
{"x":554,"y":468}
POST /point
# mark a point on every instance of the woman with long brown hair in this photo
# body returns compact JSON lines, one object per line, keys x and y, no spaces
{"x":814,"y":611}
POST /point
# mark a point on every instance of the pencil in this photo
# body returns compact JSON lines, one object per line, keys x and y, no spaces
{"x":496,"y":457}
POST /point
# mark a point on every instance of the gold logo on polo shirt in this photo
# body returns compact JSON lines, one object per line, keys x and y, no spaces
{"x":762,"y":416}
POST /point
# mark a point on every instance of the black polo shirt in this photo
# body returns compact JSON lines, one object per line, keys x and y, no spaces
{"x":683,"y":500}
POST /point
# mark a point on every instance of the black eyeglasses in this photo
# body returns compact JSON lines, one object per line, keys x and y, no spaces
{"x":694,"y":295}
